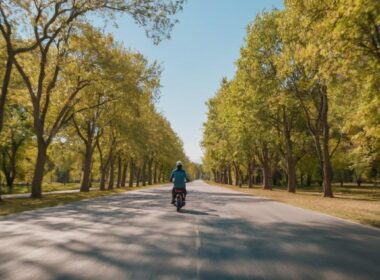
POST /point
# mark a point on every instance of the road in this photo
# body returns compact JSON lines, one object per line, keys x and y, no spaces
{"x":221,"y":234}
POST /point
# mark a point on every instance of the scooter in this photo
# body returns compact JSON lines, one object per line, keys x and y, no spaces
{"x":179,"y":199}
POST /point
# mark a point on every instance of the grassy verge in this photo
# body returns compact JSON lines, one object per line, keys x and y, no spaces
{"x":47,"y":187}
{"x":16,"y":205}
{"x":353,"y":203}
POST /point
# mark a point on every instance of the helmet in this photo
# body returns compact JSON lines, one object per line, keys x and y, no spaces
{"x":179,"y":163}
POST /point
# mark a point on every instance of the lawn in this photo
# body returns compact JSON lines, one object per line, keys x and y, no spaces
{"x":359,"y":204}
{"x":47,"y":187}
{"x":16,"y":205}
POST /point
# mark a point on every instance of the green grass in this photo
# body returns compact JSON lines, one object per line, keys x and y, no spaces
{"x":351,"y":202}
{"x":17,"y":205}
{"x":47,"y":187}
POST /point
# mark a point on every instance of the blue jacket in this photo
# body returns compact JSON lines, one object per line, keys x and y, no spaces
{"x":180,"y":178}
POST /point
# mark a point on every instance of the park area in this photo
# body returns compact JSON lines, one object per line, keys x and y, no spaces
{"x":264,"y":114}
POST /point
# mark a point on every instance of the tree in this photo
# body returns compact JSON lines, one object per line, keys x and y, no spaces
{"x":50,"y":21}
{"x":52,"y":24}
{"x":116,"y":78}
{"x":307,"y":74}
{"x":16,"y":134}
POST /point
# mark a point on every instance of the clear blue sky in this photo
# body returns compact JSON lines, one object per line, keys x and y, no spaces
{"x":203,"y":48}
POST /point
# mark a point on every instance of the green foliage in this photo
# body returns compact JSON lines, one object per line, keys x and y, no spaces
{"x":77,"y":98}
{"x":292,"y":65}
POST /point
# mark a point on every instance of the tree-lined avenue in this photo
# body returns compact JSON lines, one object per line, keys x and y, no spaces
{"x":221,"y":234}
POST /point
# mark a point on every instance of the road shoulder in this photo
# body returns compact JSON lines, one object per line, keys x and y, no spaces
{"x":361,"y":212}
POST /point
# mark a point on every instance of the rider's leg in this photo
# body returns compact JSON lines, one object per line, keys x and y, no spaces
{"x":173,"y":196}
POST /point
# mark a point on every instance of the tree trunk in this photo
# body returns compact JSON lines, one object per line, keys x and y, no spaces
{"x":214,"y":175}
{"x":9,"y":180}
{"x":138,"y":177}
{"x":4,"y":89}
{"x":39,"y":170}
{"x":112,"y":172}
{"x":103,"y":168}
{"x":85,"y":184}
{"x":90,"y":182}
{"x":159,"y":178}
{"x":7,"y":170}
{"x":225,"y":176}
{"x":103,"y":176}
{"x":119,"y":171}
{"x":251,"y":166}
{"x":102,"y":183}
{"x":162,"y":175}
{"x":266,"y":178}
{"x":290,"y":162}
{"x":155,"y":173}
{"x":230,"y":182}
{"x":291,"y":171}
{"x":150,"y":173}
{"x":131,"y":173}
{"x":266,"y":168}
{"x":241,"y":175}
{"x":10,"y":170}
{"x":327,"y":189}
{"x":143,"y":173}
{"x":124,"y":175}
{"x":237,"y":172}
{"x":309,"y":179}
{"x":322,"y":150}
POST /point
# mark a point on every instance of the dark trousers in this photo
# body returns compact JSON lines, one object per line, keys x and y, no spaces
{"x":174,"y":194}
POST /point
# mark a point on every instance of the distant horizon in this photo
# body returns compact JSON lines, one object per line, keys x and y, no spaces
{"x":203,"y":48}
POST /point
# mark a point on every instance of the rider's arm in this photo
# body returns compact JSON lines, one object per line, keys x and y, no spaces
{"x":172,"y":176}
{"x":187,"y":177}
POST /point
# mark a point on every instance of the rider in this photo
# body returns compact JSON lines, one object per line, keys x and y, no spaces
{"x":179,"y":178}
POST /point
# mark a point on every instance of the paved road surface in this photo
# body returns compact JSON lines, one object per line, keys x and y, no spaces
{"x":221,"y":234}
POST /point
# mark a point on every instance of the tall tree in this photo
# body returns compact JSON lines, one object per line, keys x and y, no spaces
{"x":48,"y":21}
{"x":51,"y":25}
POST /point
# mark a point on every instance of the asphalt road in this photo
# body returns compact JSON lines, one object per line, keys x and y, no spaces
{"x":221,"y":234}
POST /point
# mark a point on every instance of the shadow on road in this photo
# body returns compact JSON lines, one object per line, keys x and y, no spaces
{"x":194,"y":212}
{"x":140,"y":236}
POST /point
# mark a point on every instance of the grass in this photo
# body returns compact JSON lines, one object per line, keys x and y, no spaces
{"x":47,"y":187}
{"x":351,"y":202}
{"x":17,"y":205}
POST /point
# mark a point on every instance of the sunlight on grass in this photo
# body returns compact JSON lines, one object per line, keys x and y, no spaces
{"x":16,"y":205}
{"x":47,"y":187}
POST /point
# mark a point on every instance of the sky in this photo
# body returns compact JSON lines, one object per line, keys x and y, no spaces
{"x":203,"y":48}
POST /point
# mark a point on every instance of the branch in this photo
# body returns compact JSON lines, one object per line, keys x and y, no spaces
{"x":79,"y":132}
{"x":26,"y":80}
{"x":308,"y":120}
{"x":96,"y":105}
{"x":62,"y":116}
{"x":6,"y":22}
{"x":337,"y":145}
{"x":301,"y":155}
{"x":49,"y":89}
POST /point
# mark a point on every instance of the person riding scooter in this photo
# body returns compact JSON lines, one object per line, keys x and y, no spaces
{"x":179,"y":178}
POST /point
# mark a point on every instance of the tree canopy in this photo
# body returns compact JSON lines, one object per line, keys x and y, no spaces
{"x":76,"y":104}
{"x":304,"y":100}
